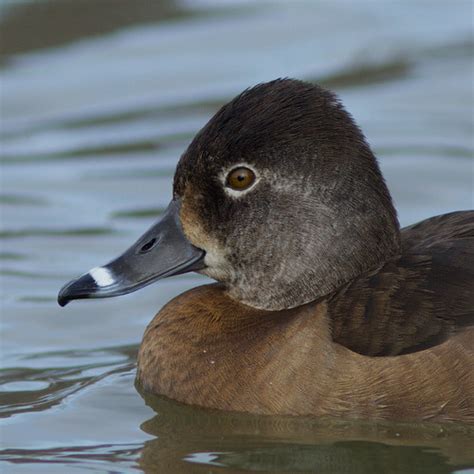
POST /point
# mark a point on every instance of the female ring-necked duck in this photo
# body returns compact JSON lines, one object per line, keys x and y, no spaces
{"x":323,"y":306}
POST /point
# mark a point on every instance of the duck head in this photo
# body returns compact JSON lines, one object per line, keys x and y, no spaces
{"x":279,"y":197}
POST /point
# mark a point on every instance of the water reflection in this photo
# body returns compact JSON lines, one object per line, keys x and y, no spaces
{"x":40,"y":24}
{"x":240,"y":442}
{"x":27,"y":389}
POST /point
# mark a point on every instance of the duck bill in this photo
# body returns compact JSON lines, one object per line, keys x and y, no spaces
{"x":161,"y":252}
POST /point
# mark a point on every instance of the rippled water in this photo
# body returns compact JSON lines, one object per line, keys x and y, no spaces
{"x":98,"y":100}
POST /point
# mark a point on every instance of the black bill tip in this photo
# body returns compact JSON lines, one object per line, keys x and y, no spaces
{"x":83,"y":287}
{"x":63,"y":300}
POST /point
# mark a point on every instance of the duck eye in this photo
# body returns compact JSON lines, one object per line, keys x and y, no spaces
{"x":240,"y":178}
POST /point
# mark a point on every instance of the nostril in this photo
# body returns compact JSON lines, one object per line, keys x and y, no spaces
{"x":148,"y":246}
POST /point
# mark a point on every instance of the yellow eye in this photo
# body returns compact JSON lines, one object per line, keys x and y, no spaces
{"x":240,"y":178}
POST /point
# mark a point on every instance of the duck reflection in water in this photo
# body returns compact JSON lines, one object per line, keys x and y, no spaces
{"x":186,"y":438}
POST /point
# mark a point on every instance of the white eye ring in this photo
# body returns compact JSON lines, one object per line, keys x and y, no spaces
{"x":235,"y":193}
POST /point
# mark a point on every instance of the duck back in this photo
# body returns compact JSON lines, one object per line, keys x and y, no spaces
{"x":416,"y":301}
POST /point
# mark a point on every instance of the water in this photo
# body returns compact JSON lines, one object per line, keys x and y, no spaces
{"x":99,"y":99}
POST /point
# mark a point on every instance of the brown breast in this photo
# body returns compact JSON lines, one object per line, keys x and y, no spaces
{"x":206,"y":349}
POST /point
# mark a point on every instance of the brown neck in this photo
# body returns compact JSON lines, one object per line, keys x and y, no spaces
{"x":203,"y":347}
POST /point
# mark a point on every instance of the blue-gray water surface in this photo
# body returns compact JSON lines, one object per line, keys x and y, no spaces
{"x":98,"y":100}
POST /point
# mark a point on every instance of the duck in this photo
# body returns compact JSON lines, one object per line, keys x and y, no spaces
{"x":322,"y":306}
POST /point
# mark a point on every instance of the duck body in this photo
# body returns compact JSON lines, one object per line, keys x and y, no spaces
{"x":323,"y":305}
{"x":396,"y":344}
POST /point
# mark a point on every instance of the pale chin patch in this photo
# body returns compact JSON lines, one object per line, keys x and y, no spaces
{"x":217,"y":266}
{"x":102,"y":276}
